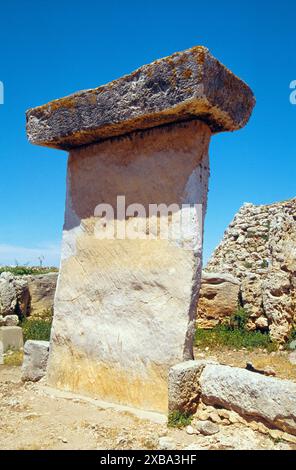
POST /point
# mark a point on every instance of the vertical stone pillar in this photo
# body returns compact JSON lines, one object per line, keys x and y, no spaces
{"x":128,"y":285}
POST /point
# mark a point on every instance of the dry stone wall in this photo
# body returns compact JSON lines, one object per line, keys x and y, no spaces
{"x":259,"y":249}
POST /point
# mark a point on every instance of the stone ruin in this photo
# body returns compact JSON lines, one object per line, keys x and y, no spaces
{"x":125,"y":307}
{"x":255,"y":264}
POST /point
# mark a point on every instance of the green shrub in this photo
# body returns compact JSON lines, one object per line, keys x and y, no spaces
{"x":225,"y":336}
{"x":264,"y":264}
{"x":36,"y":329}
{"x":26,"y":270}
{"x":239,"y":319}
{"x":176,"y":419}
{"x":292,"y":337}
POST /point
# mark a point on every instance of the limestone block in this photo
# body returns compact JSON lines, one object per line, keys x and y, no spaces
{"x":11,"y":337}
{"x":42,"y":291}
{"x":125,"y":308}
{"x":252,"y":395}
{"x":186,"y":85}
{"x":8,"y":299}
{"x":184,"y":388}
{"x":278,"y":304}
{"x":35,"y":360}
{"x":125,"y":305}
{"x":218,"y":299}
{"x":11,"y":320}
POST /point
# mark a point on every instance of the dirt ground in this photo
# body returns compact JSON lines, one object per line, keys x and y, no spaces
{"x":278,"y":361}
{"x":31,"y":417}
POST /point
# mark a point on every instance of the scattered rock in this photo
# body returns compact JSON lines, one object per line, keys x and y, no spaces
{"x":292,"y":358}
{"x":166,"y":443}
{"x":35,"y":360}
{"x":215,"y":418}
{"x":190,"y":430}
{"x":11,"y":320}
{"x":207,"y":428}
{"x":202,"y":415}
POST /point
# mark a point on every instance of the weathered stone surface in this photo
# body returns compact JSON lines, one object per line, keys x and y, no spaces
{"x":184,"y":388}
{"x":186,"y":85}
{"x":292,"y":358}
{"x":8,"y":300}
{"x":35,"y":360}
{"x":218,"y":299}
{"x":10,"y":320}
{"x":24,"y":296}
{"x":125,"y":308}
{"x":207,"y":428}
{"x":11,"y":337}
{"x":259,"y":247}
{"x":42,"y":291}
{"x":252,"y":395}
{"x":278,"y":304}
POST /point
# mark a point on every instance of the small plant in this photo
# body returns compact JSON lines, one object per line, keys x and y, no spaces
{"x":36,"y":329}
{"x":239,"y":319}
{"x":264,"y":264}
{"x":13,"y":358}
{"x":265,"y":237}
{"x":247,"y":265}
{"x":292,"y":337}
{"x":26,"y":270}
{"x":177,"y":419}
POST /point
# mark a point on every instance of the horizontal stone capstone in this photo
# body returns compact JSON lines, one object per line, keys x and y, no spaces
{"x":186,"y":85}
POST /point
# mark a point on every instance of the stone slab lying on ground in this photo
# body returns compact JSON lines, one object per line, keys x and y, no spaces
{"x":270,"y":400}
{"x":11,"y":337}
{"x":35,"y":360}
{"x":186,"y":85}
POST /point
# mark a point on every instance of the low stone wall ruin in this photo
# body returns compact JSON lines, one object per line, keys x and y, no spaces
{"x":259,"y":252}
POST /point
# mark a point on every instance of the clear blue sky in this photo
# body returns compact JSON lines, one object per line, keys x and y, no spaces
{"x":51,"y":49}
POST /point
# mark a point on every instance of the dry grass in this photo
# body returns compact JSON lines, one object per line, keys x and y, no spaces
{"x":14,"y":358}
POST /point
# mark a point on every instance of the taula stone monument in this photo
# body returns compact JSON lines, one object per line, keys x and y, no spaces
{"x":125,"y":305}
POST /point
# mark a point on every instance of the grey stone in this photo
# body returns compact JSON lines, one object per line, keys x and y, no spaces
{"x":186,"y":85}
{"x":35,"y":360}
{"x":184,"y":388}
{"x":11,"y":337}
{"x":166,"y":443}
{"x":292,"y":358}
{"x":42,"y":291}
{"x":207,"y":428}
{"x":292,"y":345}
{"x":266,"y":399}
{"x":8,"y":299}
{"x":11,"y":320}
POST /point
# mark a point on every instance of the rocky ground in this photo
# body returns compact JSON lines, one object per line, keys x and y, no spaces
{"x":32,"y":417}
{"x":282,"y":363}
